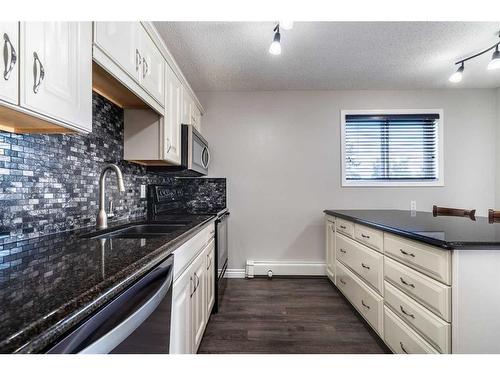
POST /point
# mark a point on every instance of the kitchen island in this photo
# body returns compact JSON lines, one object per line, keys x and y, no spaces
{"x":425,"y":284}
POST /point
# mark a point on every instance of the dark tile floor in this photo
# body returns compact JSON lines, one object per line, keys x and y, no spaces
{"x":287,"y":315}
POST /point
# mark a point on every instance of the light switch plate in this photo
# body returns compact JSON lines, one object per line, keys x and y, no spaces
{"x":143,"y":191}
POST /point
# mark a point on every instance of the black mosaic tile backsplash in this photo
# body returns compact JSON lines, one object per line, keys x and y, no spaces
{"x":49,"y":183}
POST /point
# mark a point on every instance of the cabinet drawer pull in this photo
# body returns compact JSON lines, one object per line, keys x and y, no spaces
{"x":169,"y":145}
{"x":342,"y":281}
{"x":210,"y":263}
{"x":333,"y":229}
{"x":403,"y":348}
{"x":365,"y":305}
{"x":365,"y":235}
{"x":405,"y":253}
{"x":365,"y":266}
{"x":406,"y":282}
{"x":196,"y":285}
{"x":406,"y":313}
{"x":138,"y":59}
{"x":38,"y":78}
{"x":343,"y":227}
{"x":343,"y":251}
{"x":145,"y":68}
{"x":13,"y":57}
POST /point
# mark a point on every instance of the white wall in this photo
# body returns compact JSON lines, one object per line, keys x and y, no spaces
{"x":280,"y":152}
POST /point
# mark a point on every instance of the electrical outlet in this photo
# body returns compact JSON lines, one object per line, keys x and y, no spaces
{"x":413,"y":205}
{"x":143,"y":191}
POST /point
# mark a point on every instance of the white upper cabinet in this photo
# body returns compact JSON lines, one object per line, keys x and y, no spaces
{"x":186,"y":107}
{"x":173,"y":117}
{"x":152,"y":68}
{"x":9,"y":81}
{"x":56,"y":71}
{"x":121,"y":42}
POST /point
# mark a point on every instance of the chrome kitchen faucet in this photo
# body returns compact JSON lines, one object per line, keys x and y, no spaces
{"x":102,"y":216}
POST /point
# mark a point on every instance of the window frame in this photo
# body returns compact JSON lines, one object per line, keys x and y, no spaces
{"x":392,"y":183}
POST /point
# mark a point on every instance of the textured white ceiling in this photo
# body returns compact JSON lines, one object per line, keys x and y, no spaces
{"x":217,"y":56}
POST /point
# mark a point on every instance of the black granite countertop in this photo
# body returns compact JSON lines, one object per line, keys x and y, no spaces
{"x":51,"y":283}
{"x":444,"y":231}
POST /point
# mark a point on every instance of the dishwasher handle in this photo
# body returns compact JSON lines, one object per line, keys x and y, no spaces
{"x":110,"y":326}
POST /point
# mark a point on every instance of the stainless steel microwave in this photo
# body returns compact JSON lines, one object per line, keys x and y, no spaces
{"x":194,"y":150}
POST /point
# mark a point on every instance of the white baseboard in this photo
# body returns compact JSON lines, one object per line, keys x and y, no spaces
{"x":235,"y":273}
{"x":285,"y":268}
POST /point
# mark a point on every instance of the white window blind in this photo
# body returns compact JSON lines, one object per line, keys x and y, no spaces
{"x":392,"y":147}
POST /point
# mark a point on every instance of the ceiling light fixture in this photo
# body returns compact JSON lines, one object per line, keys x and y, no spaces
{"x":275,"y":48}
{"x":493,"y":64}
{"x":286,"y":25}
{"x":495,"y":60}
{"x":457,"y":76}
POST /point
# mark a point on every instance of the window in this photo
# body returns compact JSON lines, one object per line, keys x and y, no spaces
{"x":392,"y":148}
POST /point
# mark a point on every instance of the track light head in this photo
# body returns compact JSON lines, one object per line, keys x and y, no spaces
{"x":457,"y":76}
{"x":275,"y":48}
{"x":495,"y":60}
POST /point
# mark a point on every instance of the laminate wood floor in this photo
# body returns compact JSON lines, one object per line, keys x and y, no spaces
{"x":287,"y":316}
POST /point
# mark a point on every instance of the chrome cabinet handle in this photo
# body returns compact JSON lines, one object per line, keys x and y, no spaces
{"x":343,"y":251}
{"x":197,"y":283}
{"x":145,"y":68}
{"x":333,"y":229}
{"x":13,"y":57}
{"x":138,"y":59}
{"x":343,"y":227}
{"x":405,"y":253}
{"x":365,"y":235}
{"x":210,"y":263}
{"x":342,"y":281}
{"x":169,"y":145}
{"x":406,"y":282}
{"x":403,"y":348}
{"x":406,"y":313}
{"x":37,"y":81}
{"x":365,"y":266}
{"x":365,"y":305}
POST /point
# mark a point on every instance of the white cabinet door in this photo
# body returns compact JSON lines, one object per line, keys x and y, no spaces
{"x":152,"y":71}
{"x":210,"y":279}
{"x":56,"y":71}
{"x":186,"y":107}
{"x":195,"y":116}
{"x":173,"y":117}
{"x":330,"y":250}
{"x":121,"y":42}
{"x":9,"y":82}
{"x":181,"y":322}
{"x":199,"y":301}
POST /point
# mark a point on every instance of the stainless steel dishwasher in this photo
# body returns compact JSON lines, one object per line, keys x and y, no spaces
{"x":135,"y":322}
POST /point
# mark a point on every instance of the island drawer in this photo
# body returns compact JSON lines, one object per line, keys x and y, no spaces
{"x":429,"y":260}
{"x":368,"y":303}
{"x":345,"y":227}
{"x":430,"y":293}
{"x":432,"y":328}
{"x":370,"y":237}
{"x":365,"y":262}
{"x":401,"y":339}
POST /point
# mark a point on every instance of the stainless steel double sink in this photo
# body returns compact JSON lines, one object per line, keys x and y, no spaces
{"x":138,"y":230}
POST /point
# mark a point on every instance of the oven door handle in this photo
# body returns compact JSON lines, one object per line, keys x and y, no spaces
{"x":116,"y":321}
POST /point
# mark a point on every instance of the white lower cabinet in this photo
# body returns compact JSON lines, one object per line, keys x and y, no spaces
{"x":192,"y":295}
{"x":401,"y":339}
{"x":330,"y":247}
{"x":400,"y":287}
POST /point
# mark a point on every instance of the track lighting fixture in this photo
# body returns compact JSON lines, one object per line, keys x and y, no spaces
{"x":275,"y":48}
{"x":457,"y":76}
{"x":495,"y":60}
{"x":493,"y":64}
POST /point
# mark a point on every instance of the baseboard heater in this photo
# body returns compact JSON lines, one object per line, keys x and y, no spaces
{"x":283,"y":268}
